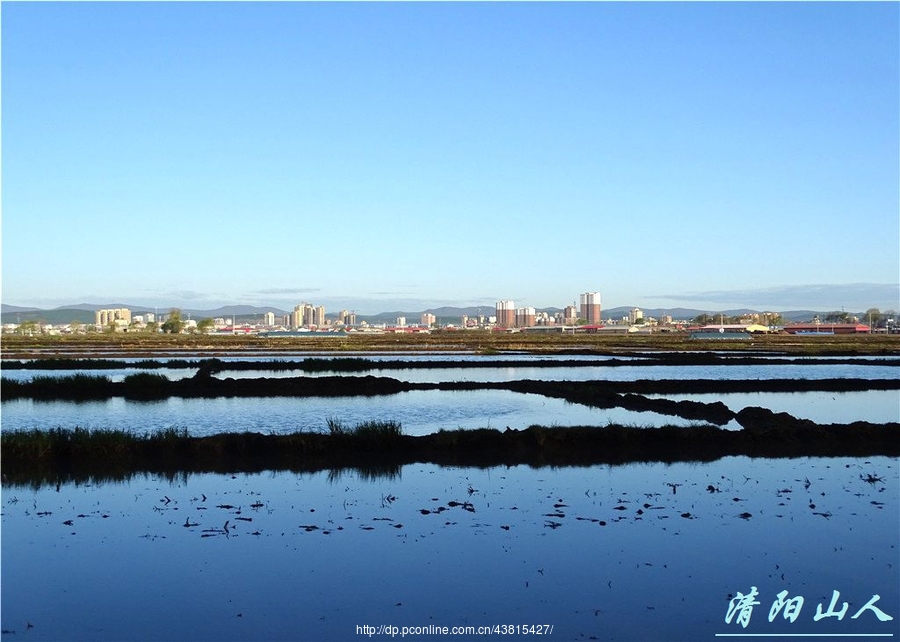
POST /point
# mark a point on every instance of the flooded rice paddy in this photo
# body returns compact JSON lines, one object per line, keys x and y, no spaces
{"x":635,"y":552}
{"x":646,"y":551}
{"x":420,"y":412}
{"x":875,"y":369}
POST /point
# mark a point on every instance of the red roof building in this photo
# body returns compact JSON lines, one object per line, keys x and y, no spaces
{"x":826,"y":328}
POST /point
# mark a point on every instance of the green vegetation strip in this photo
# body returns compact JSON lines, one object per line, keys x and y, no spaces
{"x":38,"y":457}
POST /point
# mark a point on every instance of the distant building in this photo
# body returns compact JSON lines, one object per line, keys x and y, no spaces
{"x":525,"y":317}
{"x":103,"y":318}
{"x":506,"y":313}
{"x":428,"y":319}
{"x":305,"y":315}
{"x":635,"y":316}
{"x":765,"y":318}
{"x":591,"y":310}
{"x":826,"y":328}
{"x":269,"y":319}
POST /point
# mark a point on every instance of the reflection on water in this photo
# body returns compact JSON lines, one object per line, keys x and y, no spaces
{"x":482,"y":374}
{"x":600,"y":373}
{"x":638,"y":552}
{"x":113,"y":374}
{"x":610,"y":552}
{"x":875,"y":406}
{"x":420,"y":412}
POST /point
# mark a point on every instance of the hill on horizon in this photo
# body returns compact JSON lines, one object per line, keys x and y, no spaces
{"x":84,"y":313}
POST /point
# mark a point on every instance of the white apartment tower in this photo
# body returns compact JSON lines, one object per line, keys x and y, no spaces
{"x":590,"y":308}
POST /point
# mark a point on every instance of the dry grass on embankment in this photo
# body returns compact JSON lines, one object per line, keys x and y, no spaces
{"x":144,"y":344}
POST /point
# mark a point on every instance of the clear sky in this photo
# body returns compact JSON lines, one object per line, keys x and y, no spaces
{"x":382,"y":156}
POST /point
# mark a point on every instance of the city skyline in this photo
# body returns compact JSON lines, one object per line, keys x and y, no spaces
{"x":863,"y":294}
{"x":405,"y":156}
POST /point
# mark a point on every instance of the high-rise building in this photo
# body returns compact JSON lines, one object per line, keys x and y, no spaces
{"x":428,"y":319}
{"x":105,"y":317}
{"x":591,"y":311}
{"x":506,"y":314}
{"x":346,"y":318}
{"x":269,"y":319}
{"x":305,"y":315}
{"x":298,"y":316}
{"x":636,"y":316}
{"x":525,"y":317}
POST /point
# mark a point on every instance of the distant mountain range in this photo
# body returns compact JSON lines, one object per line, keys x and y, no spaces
{"x":84,"y":313}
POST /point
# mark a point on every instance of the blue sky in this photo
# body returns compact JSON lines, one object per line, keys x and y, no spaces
{"x":379,"y":156}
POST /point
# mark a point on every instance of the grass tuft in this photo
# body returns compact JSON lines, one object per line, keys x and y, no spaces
{"x":366,"y":430}
{"x":146,"y":385}
{"x":336,"y":426}
{"x":378,"y":429}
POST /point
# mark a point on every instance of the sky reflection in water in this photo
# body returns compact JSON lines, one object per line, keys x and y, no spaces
{"x":524,"y":371}
{"x":638,"y":552}
{"x":635,"y":552}
{"x":419,"y":412}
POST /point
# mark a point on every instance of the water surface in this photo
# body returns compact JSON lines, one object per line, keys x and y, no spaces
{"x":612,"y":552}
{"x":420,"y":412}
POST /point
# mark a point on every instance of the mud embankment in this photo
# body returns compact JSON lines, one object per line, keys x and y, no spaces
{"x":630,"y":395}
{"x":50,"y":457}
{"x":203,"y":384}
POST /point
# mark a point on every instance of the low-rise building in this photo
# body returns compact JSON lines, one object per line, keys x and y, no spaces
{"x":826,"y":328}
